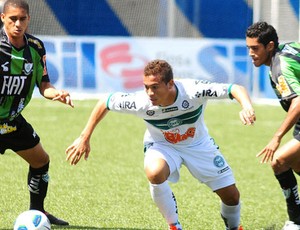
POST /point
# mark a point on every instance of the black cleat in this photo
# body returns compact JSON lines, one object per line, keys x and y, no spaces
{"x":55,"y":220}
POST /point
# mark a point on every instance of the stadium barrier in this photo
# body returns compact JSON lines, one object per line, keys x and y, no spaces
{"x":87,"y":65}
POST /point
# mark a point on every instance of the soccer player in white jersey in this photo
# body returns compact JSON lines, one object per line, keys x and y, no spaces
{"x":176,"y":135}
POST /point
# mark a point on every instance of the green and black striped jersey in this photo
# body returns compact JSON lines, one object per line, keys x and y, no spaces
{"x":285,"y":73}
{"x":20,"y":71}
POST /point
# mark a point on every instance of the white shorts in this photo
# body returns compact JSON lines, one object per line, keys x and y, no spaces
{"x":206,"y":164}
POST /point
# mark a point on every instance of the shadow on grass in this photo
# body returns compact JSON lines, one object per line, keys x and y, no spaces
{"x":90,"y":227}
{"x":95,"y":228}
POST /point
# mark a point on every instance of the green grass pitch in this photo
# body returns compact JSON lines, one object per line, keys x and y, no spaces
{"x":110,"y":190}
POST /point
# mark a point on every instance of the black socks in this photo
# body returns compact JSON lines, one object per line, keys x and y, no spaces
{"x":38,"y":186}
{"x":289,"y":186}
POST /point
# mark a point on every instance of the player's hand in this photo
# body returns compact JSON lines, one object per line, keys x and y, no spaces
{"x":247,"y":116}
{"x":77,"y":150}
{"x":269,"y":150}
{"x":64,"y":97}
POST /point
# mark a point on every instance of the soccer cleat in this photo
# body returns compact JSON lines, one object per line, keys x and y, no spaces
{"x":55,"y":220}
{"x":176,"y":226}
{"x":238,"y":228}
{"x":290,"y":225}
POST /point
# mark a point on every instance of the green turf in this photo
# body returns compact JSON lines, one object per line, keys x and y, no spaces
{"x":110,"y":190}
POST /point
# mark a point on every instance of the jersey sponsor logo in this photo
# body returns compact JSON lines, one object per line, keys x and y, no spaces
{"x":206,"y":93}
{"x":283,"y":87}
{"x":288,"y":49}
{"x":5,"y":128}
{"x":5,"y":67}
{"x":171,"y":109}
{"x":127,"y":105}
{"x":45,"y":72}
{"x":219,"y":161}
{"x":13,"y":85}
{"x":202,"y":81}
{"x":223,"y":170}
{"x":175,"y":137}
{"x":35,"y":41}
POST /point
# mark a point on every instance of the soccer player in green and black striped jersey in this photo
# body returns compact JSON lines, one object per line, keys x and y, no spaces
{"x":284,"y":62}
{"x":22,"y":67}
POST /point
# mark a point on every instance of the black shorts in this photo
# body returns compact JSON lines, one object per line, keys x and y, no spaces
{"x":17,"y":135}
{"x":296,"y":133}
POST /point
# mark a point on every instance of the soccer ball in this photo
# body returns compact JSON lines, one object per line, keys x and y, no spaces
{"x":32,"y":220}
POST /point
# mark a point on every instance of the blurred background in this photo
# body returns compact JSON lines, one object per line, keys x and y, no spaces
{"x":99,"y":46}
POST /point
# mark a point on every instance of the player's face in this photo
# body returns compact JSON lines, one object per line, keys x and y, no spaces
{"x":158,"y":91}
{"x":15,"y":22}
{"x":260,"y":54}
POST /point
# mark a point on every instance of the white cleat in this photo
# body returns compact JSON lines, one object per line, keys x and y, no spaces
{"x":290,"y":225}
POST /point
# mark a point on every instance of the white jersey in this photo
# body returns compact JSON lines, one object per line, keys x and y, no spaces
{"x":179,"y":124}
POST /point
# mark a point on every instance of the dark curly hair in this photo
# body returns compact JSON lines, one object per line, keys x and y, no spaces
{"x":264,"y":32}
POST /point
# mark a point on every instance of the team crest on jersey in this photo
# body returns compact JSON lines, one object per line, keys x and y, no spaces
{"x":28,"y":68}
{"x":150,"y":112}
{"x":174,"y":122}
{"x":283,"y":87}
{"x":219,"y":161}
{"x":185,"y":104}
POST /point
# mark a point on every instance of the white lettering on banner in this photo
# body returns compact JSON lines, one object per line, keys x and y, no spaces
{"x":109,"y":64}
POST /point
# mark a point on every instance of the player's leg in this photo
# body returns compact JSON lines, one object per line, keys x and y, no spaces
{"x":230,"y":206}
{"x":285,"y":160}
{"x":37,"y":179}
{"x":158,"y":167}
{"x":26,"y":143}
{"x":207,"y":164}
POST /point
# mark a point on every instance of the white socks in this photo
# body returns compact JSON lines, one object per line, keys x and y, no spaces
{"x":231,"y":214}
{"x":165,"y":201}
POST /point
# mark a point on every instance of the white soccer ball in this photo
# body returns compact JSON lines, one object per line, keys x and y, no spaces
{"x":32,"y":220}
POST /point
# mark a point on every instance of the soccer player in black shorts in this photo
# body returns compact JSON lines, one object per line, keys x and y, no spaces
{"x":284,"y":62}
{"x":22,"y":67}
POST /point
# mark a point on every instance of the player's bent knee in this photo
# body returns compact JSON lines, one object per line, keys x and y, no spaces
{"x":229,"y":195}
{"x":279,"y":165}
{"x":155,"y":177}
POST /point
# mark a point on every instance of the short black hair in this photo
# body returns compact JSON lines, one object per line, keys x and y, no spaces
{"x":16,"y":3}
{"x":264,"y":32}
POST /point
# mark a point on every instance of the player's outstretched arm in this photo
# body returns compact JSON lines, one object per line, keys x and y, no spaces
{"x":81,"y":146}
{"x":50,"y":92}
{"x":290,"y":120}
{"x":247,"y":115}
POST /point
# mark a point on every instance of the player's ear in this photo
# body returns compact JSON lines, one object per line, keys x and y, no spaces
{"x":171,"y":83}
{"x":270,"y":46}
{"x":2,"y":17}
